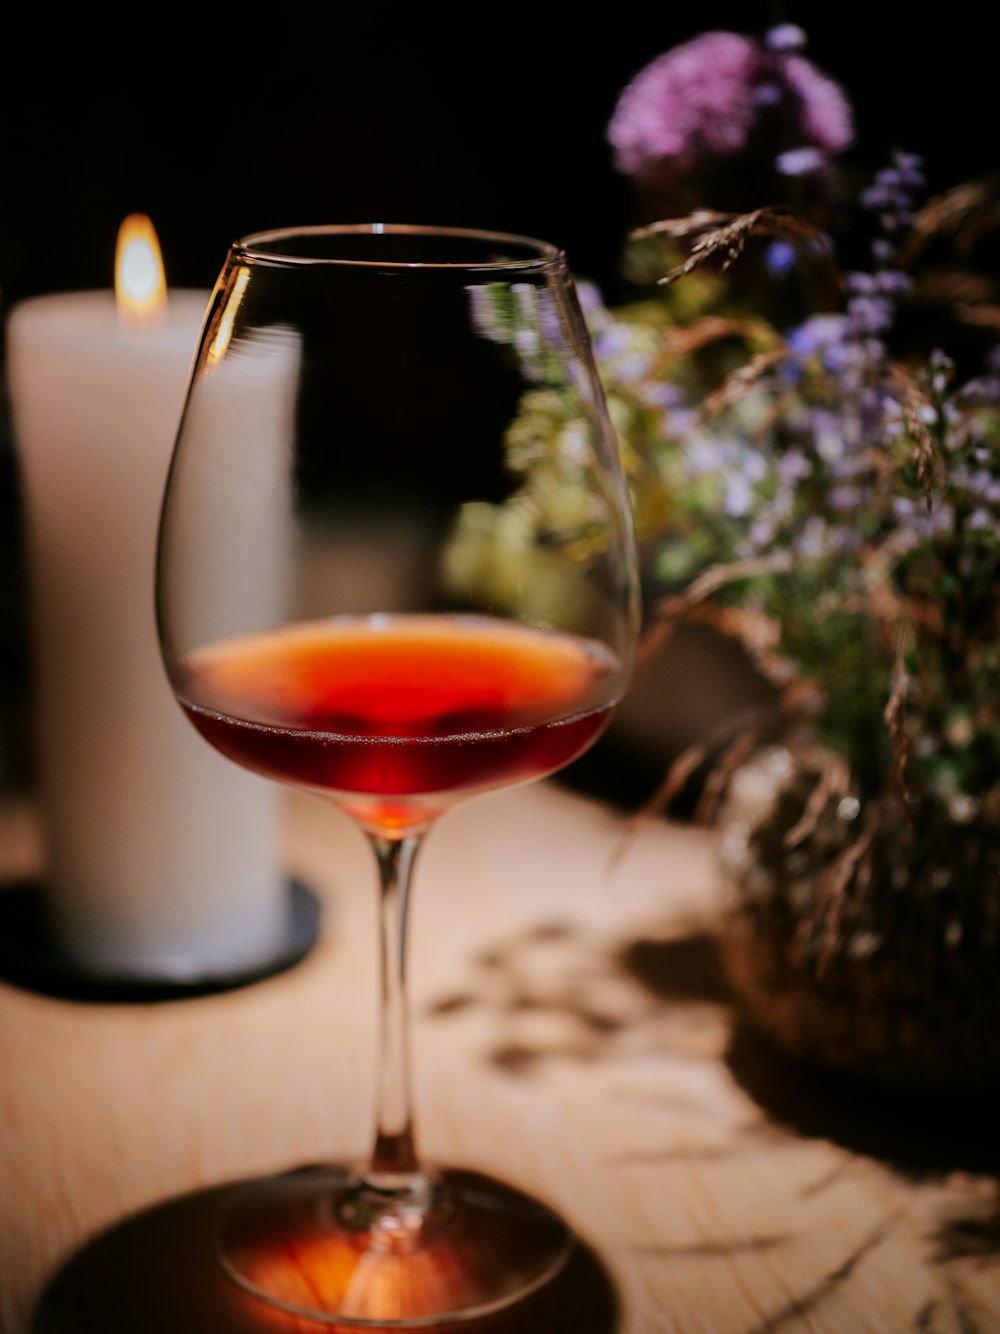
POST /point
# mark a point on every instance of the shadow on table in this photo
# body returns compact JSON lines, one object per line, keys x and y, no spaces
{"x":156,"y":1272}
{"x":918,"y":1133}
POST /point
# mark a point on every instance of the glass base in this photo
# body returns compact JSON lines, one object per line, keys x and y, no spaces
{"x":324,"y":1245}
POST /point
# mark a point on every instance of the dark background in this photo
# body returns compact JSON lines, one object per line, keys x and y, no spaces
{"x":217,"y":122}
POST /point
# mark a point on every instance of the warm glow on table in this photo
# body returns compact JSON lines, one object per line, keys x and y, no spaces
{"x":571,"y":1037}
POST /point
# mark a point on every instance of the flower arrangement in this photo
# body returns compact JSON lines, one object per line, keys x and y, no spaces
{"x":826,"y":484}
{"x":808,"y":400}
{"x":806,"y":390}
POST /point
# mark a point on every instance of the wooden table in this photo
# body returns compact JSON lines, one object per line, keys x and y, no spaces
{"x":572,"y":1035}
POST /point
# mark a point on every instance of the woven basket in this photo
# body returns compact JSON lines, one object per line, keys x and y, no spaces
{"x":867,"y":941}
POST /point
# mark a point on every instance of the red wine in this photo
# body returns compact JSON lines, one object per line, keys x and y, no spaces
{"x":398,"y":717}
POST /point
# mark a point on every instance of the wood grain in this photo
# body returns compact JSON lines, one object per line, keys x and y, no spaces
{"x":572,"y":1035}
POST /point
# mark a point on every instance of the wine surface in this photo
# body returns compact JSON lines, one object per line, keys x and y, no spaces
{"x":399,"y":717}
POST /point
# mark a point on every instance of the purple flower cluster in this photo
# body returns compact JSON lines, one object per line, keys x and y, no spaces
{"x":819,"y":497}
{"x":892,"y":193}
{"x":872,"y":295}
{"x":721,"y":96}
{"x":823,"y":482}
{"x":842,"y":481}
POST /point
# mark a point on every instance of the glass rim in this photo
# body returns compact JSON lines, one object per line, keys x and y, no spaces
{"x":263,"y":246}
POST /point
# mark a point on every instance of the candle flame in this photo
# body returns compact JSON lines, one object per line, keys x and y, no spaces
{"x":140,"y":282}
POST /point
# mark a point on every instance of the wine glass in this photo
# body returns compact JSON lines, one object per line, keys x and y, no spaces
{"x":416,"y":586}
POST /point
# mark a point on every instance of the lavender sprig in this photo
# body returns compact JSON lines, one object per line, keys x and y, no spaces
{"x":869,"y":489}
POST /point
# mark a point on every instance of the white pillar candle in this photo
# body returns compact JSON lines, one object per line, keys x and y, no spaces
{"x":163,"y":859}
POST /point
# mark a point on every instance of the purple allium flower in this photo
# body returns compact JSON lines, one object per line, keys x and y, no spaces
{"x":691,"y":103}
{"x":716,"y":98}
{"x":826,"y":113}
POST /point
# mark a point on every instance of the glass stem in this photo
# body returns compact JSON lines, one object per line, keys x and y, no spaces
{"x":394,"y":1166}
